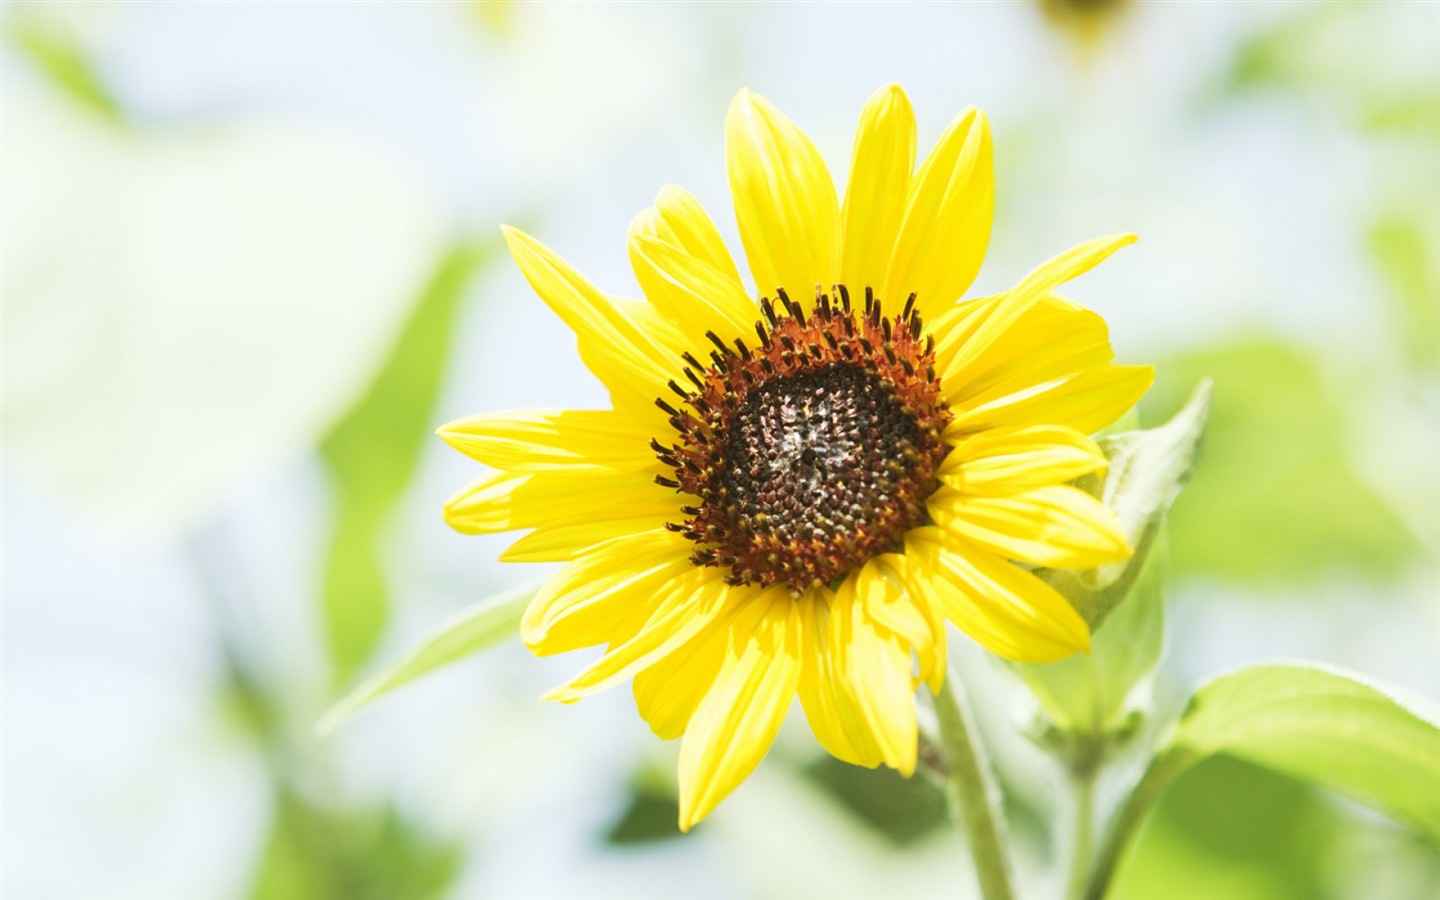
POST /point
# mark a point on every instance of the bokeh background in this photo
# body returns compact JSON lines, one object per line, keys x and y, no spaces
{"x":250,"y":261}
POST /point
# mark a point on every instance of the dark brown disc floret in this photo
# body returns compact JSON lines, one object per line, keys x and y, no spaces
{"x":811,"y":450}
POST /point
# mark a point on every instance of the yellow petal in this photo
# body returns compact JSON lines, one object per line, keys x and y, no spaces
{"x":784,"y":200}
{"x":877,"y":674}
{"x":629,"y":356}
{"x":1057,"y":526}
{"x":1049,"y":340}
{"x":1086,"y":401}
{"x":882,"y":587}
{"x":694,"y":294}
{"x":582,"y":604}
{"x":545,"y":440}
{"x":735,"y":724}
{"x":562,"y":543}
{"x":972,"y":352}
{"x":946,"y":228}
{"x":667,"y":693}
{"x":506,"y":501}
{"x":1009,"y":460}
{"x":686,"y":606}
{"x":828,"y":709}
{"x":1005,"y":609}
{"x":680,"y":220}
{"x":875,"y":194}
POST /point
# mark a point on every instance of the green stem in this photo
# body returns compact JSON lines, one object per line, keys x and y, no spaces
{"x":1082,"y":790}
{"x":971,"y":790}
{"x":1126,"y":824}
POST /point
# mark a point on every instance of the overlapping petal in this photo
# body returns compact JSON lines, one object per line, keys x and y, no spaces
{"x":875,"y":195}
{"x":541,"y":440}
{"x":1005,"y":609}
{"x":734,"y":725}
{"x":1086,"y":400}
{"x":683,"y":608}
{"x":964,"y":349}
{"x":1011,"y":459}
{"x":582,"y":603}
{"x":678,"y":219}
{"x":628,"y":349}
{"x":689,"y":291}
{"x":667,"y":693}
{"x":564,"y":542}
{"x":508,"y":501}
{"x":1056,"y":525}
{"x":785,"y":200}
{"x":946,"y":228}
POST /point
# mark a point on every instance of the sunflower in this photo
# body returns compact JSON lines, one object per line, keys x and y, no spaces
{"x":797,"y":488}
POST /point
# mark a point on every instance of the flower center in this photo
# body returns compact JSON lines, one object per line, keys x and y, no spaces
{"x":811,"y":451}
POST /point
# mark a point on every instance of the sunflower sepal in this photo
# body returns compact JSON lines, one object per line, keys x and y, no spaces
{"x":1090,"y":703}
{"x":1148,"y":469}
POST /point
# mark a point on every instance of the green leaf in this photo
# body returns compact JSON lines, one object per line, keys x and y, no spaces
{"x":904,"y":810}
{"x":1277,"y":499}
{"x":483,"y":625}
{"x":1233,"y":830}
{"x":1148,"y":470}
{"x":1377,"y":744}
{"x":372,"y":454}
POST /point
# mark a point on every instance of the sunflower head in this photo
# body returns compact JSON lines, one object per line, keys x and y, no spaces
{"x":811,"y":451}
{"x":799,"y":484}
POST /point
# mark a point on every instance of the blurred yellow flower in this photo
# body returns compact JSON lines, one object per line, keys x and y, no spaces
{"x":793,"y":495}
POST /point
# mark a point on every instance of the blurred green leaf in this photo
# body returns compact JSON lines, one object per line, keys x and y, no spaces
{"x":1276,"y":498}
{"x":1376,"y":744}
{"x":323,"y":854}
{"x":54,"y":48}
{"x":1230,"y":829}
{"x":904,"y":810}
{"x":1319,"y":50}
{"x":482,"y":625}
{"x":652,"y":811}
{"x":1404,"y":246}
{"x":372,"y":454}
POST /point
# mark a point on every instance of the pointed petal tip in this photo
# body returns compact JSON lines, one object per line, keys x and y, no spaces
{"x":562,"y":694}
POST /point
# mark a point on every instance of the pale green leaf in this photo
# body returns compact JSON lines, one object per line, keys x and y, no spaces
{"x":483,"y":625}
{"x":373,"y":452}
{"x":1377,"y":744}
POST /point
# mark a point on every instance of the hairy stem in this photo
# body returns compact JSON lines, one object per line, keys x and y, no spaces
{"x":1082,"y":793}
{"x":1126,"y":824}
{"x":971,"y":791}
